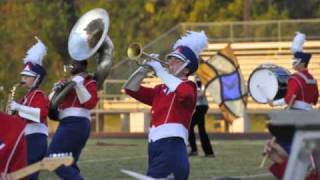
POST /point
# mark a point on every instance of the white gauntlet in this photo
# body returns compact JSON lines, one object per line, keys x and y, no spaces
{"x":135,"y":79}
{"x":279,"y":102}
{"x":171,"y":81}
{"x":81,"y":91}
{"x":30,"y":113}
{"x":27,"y":112}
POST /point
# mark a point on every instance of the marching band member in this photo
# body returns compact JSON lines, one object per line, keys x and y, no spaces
{"x":33,"y":107}
{"x":302,"y":88}
{"x":173,"y":103}
{"x":74,"y":114}
{"x":280,"y":158}
{"x":302,"y":93}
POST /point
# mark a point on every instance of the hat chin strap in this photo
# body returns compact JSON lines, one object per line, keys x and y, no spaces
{"x":35,"y":82}
{"x":185,"y":64}
{"x":296,"y":62}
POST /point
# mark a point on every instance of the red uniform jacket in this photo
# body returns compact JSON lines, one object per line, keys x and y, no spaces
{"x":304,"y":86}
{"x":71,"y":100}
{"x":37,"y":99}
{"x":71,"y":106}
{"x":171,"y":113}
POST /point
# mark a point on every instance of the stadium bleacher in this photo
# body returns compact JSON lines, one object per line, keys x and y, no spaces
{"x":249,"y":55}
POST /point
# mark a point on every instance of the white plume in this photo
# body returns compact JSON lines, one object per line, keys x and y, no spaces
{"x":36,"y":53}
{"x":297,"y":43}
{"x":196,"y":41}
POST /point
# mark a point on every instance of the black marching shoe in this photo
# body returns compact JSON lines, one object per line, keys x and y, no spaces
{"x":193,"y":153}
{"x":210,"y":155}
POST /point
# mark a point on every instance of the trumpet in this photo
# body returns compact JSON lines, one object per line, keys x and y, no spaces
{"x":135,"y":52}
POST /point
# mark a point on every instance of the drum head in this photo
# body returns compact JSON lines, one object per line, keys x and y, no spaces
{"x":263,"y":85}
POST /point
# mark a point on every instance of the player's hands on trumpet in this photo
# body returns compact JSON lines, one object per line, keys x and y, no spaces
{"x":149,"y":64}
{"x":155,"y":65}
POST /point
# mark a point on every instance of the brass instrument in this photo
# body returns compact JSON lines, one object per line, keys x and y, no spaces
{"x":87,"y":38}
{"x":88,"y":34}
{"x":11,"y":98}
{"x":135,"y":52}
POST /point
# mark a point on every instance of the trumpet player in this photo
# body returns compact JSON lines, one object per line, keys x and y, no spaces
{"x":33,"y":107}
{"x":173,"y":103}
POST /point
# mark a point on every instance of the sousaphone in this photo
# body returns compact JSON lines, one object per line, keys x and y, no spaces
{"x":88,"y":37}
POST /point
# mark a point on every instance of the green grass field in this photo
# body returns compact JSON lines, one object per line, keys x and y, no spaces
{"x":234,"y":158}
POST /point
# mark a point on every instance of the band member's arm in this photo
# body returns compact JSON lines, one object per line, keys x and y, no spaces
{"x":134,"y":81}
{"x":278,"y":155}
{"x":292,"y":91}
{"x":185,"y":90}
{"x":134,"y":89}
{"x":86,"y":93}
{"x":168,"y":79}
{"x":36,"y":110}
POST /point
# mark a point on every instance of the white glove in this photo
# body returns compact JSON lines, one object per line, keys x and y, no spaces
{"x":156,"y":66}
{"x":78,"y":80}
{"x":30,"y":113}
{"x":14,"y":106}
{"x":136,"y":79}
{"x":168,"y":79}
{"x":81,"y":91}
{"x":154,"y":55}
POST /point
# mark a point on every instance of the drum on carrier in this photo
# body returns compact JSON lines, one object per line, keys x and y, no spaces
{"x":268,"y":82}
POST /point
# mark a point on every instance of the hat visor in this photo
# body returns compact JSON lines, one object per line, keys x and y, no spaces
{"x":177,"y":55}
{"x":28,"y":73}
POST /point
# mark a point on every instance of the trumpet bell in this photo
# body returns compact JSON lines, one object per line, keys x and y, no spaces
{"x":134,"y":51}
{"x":88,"y":34}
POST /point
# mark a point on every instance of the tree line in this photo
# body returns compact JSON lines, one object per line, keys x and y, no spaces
{"x":130,"y":20}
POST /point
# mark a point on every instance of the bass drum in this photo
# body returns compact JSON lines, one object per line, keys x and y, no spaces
{"x":268,"y":82}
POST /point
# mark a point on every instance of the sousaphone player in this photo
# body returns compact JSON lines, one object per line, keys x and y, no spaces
{"x":88,"y":37}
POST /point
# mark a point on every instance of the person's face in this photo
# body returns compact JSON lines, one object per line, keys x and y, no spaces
{"x":76,"y":68}
{"x":27,"y":81}
{"x":297,"y":66}
{"x":174,"y":64}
